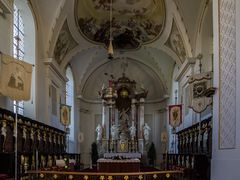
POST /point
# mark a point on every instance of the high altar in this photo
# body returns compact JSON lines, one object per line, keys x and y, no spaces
{"x":121,"y":130}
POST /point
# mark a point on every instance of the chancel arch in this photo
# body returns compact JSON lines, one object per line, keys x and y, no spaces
{"x":140,"y":72}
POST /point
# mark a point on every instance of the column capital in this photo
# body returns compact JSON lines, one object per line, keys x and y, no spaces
{"x":134,"y":101}
{"x":142,"y":100}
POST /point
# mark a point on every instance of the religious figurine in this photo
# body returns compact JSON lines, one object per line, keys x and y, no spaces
{"x":99,"y":132}
{"x":114,"y":132}
{"x":32,"y":134}
{"x":132,"y":130}
{"x":124,"y":116}
{"x":4,"y":134}
{"x":24,"y":136}
{"x":146,"y":132}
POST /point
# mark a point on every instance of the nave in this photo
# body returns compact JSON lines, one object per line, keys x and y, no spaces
{"x":146,"y":88}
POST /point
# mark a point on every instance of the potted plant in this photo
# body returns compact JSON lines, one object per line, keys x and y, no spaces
{"x":151,"y":154}
{"x":94,"y":153}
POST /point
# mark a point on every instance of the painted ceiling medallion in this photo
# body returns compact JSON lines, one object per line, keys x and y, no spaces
{"x":134,"y":22}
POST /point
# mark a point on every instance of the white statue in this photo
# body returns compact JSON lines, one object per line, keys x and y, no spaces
{"x":4,"y":129}
{"x":114,"y":132}
{"x":99,"y":132}
{"x":4,"y":133}
{"x":146,"y":131}
{"x":132,"y":130}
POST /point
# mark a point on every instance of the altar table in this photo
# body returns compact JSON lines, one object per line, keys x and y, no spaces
{"x":125,"y":165}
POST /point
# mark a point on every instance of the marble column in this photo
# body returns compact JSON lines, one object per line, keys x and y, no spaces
{"x":141,"y":124}
{"x":103,"y":119}
{"x":133,"y":110}
{"x":110,"y":120}
{"x":134,"y":121}
{"x":141,"y":117}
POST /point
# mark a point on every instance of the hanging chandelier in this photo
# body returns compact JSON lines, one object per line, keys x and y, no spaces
{"x":110,"y":46}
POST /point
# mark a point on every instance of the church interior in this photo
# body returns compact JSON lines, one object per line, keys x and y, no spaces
{"x":119,"y":89}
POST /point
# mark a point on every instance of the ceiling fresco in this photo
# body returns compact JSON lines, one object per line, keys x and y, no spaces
{"x":134,"y":22}
{"x":175,"y":42}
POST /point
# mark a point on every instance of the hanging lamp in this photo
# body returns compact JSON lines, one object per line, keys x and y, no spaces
{"x":110,"y":46}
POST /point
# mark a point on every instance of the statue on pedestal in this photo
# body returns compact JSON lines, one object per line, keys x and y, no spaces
{"x":99,"y":132}
{"x":146,"y":132}
{"x":3,"y":135}
{"x":114,"y":132}
{"x":132,"y":130}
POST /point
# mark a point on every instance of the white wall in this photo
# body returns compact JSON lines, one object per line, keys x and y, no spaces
{"x":226,"y":161}
{"x":6,"y":46}
{"x":87,"y":127}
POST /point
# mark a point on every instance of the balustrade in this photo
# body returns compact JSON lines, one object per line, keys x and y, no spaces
{"x":194,"y":151}
{"x":194,"y":139}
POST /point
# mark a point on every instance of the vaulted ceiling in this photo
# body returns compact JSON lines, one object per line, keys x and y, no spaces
{"x":151,"y":38}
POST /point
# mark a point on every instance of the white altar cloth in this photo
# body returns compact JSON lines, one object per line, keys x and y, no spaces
{"x":124,"y":155}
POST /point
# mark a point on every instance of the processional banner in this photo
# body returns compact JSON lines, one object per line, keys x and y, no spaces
{"x":65,"y":115}
{"x":175,"y":115}
{"x":15,"y":78}
{"x":198,"y":84}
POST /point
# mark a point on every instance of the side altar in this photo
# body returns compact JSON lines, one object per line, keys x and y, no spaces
{"x":122,"y":130}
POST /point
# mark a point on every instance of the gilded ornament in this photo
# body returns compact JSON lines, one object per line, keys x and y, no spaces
{"x":110,"y":178}
{"x":167,"y":175}
{"x":155,"y":176}
{"x":55,"y":176}
{"x":101,"y":178}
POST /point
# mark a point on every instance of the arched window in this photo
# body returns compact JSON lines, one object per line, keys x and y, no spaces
{"x":70,"y":99}
{"x":18,"y":48}
{"x":24,"y":49}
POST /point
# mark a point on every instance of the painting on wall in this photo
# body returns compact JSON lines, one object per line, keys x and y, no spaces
{"x":134,"y":22}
